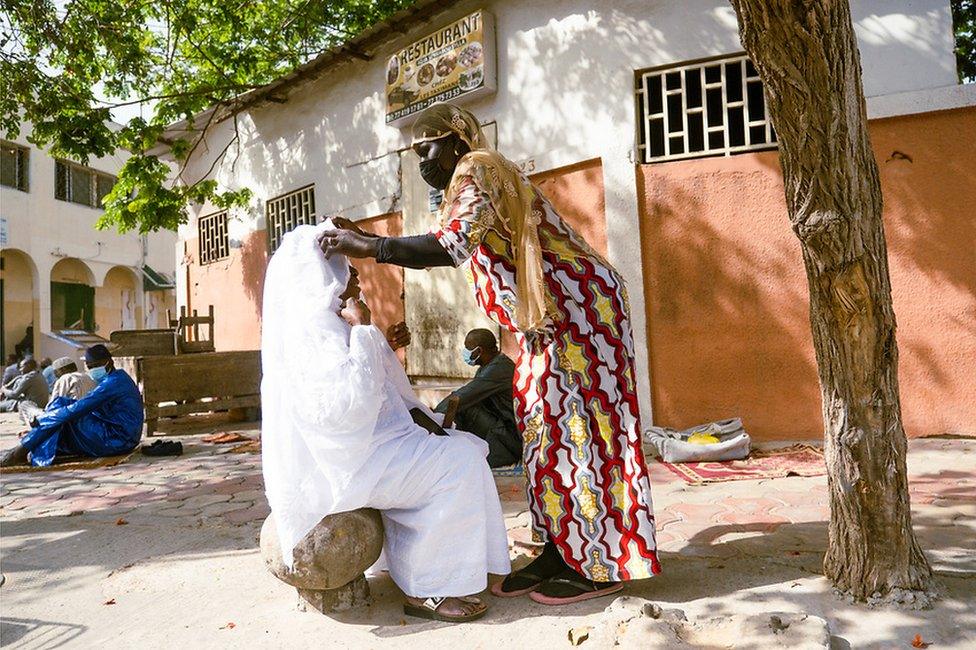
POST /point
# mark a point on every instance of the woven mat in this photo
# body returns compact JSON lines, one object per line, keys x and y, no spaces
{"x":796,"y":460}
{"x":71,"y":462}
{"x":509,"y":470}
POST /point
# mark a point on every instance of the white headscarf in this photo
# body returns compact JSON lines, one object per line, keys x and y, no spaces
{"x":319,"y":404}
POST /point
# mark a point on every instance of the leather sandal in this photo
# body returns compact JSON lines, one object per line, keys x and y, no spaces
{"x":429,"y":609}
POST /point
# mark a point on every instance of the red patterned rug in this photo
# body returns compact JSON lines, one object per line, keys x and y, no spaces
{"x":796,"y":460}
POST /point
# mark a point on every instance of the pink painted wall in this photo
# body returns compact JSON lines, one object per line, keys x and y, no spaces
{"x":727,"y":306}
{"x":235,"y":287}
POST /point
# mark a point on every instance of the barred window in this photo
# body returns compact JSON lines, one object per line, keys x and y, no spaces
{"x":82,"y":185}
{"x":284,"y":213}
{"x":708,"y":108}
{"x":213,"y":241}
{"x":14,"y":165}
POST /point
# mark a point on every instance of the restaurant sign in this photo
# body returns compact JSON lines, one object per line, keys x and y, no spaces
{"x":457,"y":61}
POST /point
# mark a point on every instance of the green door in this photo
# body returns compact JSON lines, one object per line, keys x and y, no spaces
{"x":72,"y":306}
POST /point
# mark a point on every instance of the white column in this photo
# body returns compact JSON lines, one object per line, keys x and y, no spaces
{"x":42,"y":294}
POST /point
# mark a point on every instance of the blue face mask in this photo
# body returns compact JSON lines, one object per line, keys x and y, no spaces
{"x":471,"y":356}
{"x":98,"y":373}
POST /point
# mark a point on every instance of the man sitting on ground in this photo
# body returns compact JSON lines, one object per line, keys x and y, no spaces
{"x":485,"y":406}
{"x":69,"y":381}
{"x":105,"y":422}
{"x":48,"y":371}
{"x":29,"y":386}
{"x":11,"y":369}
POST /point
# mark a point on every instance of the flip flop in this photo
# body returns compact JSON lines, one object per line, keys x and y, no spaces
{"x":497,"y":590}
{"x":428,"y":610}
{"x":587,"y":589}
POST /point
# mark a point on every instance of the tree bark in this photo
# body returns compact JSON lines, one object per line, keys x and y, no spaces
{"x":807,"y":56}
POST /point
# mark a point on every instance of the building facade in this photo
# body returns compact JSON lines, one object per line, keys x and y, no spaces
{"x":61,"y":274}
{"x":645,"y":124}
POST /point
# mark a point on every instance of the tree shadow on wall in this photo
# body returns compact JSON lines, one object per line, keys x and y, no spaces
{"x":927,"y":188}
{"x":727,"y":310}
{"x":254,"y":263}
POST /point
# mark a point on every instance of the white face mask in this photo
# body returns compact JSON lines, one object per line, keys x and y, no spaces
{"x":471,"y":356}
{"x":98,"y":373}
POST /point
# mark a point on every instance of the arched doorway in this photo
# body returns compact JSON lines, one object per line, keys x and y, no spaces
{"x":19,"y":305}
{"x":116,"y":302}
{"x":72,"y":296}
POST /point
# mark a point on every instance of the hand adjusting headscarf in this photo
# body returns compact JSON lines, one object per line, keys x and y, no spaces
{"x":511,"y":197}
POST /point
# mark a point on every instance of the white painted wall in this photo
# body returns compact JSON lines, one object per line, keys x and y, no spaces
{"x":48,"y":230}
{"x":565,"y":94}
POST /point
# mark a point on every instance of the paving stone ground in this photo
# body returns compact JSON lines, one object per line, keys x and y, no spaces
{"x":172,"y":543}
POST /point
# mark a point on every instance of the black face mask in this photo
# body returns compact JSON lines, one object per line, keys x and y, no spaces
{"x":435,"y":175}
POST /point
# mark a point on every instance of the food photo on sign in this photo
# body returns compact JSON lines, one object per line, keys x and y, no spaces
{"x":452,"y":62}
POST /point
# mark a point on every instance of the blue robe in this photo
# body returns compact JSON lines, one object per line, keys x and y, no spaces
{"x":105,"y":422}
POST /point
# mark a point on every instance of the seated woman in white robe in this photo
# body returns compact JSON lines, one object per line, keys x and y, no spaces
{"x":338,"y":435}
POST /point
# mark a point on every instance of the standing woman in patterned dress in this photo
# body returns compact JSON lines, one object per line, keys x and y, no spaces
{"x":575,"y":391}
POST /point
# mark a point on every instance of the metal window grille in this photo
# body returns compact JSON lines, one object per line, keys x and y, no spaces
{"x":288,"y":211}
{"x":212,"y":237}
{"x":61,"y":181}
{"x":709,"y":108}
{"x":103,"y":185}
{"x":14,"y":165}
{"x":80,"y":184}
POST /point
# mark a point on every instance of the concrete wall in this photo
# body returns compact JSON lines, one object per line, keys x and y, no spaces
{"x":49,"y":230}
{"x":727,"y":301}
{"x":565,"y":95}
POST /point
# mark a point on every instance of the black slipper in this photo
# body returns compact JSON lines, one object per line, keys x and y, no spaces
{"x":548,"y":565}
{"x":571,"y":587}
{"x":163,"y":448}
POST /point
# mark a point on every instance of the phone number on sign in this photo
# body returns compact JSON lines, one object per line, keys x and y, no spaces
{"x":442,"y":96}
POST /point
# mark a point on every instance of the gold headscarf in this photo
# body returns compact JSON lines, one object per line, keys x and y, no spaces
{"x":510,"y":196}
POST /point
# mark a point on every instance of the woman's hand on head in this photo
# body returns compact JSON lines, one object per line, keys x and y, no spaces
{"x":348,"y":243}
{"x":355,"y":312}
{"x":345,"y":224}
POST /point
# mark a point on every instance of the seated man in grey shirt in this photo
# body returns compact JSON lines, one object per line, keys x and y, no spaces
{"x":485,"y":404}
{"x":29,"y":386}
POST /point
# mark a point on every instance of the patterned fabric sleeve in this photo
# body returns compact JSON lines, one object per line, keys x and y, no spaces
{"x":469,"y":218}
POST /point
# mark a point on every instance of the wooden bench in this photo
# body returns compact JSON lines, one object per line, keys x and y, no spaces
{"x":195,"y":383}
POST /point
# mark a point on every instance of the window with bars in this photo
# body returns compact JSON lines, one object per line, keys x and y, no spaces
{"x":14,"y":165}
{"x":708,"y":108}
{"x":82,"y":185}
{"x":288,"y":211}
{"x":214,"y":243}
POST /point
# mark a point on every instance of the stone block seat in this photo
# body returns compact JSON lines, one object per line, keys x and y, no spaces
{"x":329,"y":562}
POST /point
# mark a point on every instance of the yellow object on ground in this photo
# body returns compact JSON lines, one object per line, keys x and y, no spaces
{"x":702,"y":439}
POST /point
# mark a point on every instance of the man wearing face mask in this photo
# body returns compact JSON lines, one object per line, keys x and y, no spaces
{"x":485,"y":404}
{"x":105,"y":422}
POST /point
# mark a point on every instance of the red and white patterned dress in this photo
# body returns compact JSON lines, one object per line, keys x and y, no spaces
{"x":575,"y":391}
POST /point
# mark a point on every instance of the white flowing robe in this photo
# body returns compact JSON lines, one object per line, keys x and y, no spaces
{"x":337,"y":435}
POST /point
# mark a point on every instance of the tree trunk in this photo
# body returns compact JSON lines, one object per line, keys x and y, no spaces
{"x":806,"y":54}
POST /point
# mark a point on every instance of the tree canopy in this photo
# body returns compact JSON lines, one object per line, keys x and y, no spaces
{"x":964,"y":26}
{"x":66,"y":64}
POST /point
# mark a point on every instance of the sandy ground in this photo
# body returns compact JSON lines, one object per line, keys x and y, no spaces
{"x":184,"y":570}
